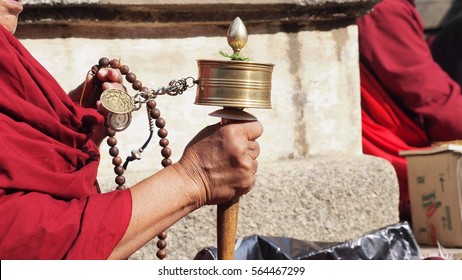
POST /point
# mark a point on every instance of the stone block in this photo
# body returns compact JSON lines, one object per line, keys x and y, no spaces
{"x":330,"y":199}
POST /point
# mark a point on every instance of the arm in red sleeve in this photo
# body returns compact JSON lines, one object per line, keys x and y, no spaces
{"x":49,"y":206}
{"x":392,"y":46}
{"x":37,"y":226}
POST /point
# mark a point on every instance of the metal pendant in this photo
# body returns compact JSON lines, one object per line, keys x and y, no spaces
{"x":119,"y":122}
{"x":117,"y":101}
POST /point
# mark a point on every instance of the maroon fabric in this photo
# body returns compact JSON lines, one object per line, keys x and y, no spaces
{"x":408,"y":101}
{"x":393,"y":48}
{"x":387,"y":130}
{"x":50,"y":206}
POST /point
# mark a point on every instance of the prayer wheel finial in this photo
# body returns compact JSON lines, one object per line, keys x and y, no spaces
{"x":237,"y":35}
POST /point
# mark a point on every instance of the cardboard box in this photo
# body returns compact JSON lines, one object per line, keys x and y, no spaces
{"x":435,"y":189}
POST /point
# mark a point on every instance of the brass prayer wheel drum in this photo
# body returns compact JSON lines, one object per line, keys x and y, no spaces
{"x":235,"y":84}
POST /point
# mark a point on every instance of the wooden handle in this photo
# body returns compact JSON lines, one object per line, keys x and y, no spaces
{"x":227,"y":214}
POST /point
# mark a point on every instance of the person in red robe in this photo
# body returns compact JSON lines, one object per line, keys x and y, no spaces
{"x":50,"y":205}
{"x":407,"y":100}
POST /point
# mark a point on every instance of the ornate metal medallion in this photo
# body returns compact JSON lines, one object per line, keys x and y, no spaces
{"x":117,"y":101}
{"x":119,"y":122}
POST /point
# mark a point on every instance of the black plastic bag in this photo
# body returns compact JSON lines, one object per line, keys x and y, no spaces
{"x":395,"y":242}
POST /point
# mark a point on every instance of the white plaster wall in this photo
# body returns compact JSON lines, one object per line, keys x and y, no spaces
{"x":315,"y":93}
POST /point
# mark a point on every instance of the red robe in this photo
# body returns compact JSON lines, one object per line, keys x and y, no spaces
{"x":50,"y":205}
{"x":407,"y":100}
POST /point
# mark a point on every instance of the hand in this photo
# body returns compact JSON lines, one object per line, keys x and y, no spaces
{"x":88,"y":93}
{"x":220,"y":162}
{"x":218,"y":165}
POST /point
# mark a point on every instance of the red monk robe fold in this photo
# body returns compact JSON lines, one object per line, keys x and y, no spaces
{"x":50,"y":205}
{"x":386,"y":130}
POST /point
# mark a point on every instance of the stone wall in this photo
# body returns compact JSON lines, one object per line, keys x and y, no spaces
{"x":313,"y":45}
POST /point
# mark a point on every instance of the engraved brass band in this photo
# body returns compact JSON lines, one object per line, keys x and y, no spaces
{"x":237,"y":84}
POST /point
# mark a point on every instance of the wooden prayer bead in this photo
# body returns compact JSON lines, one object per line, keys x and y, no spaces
{"x":117,"y":160}
{"x":166,"y":162}
{"x":115,"y":63}
{"x":151,"y":104}
{"x":103,"y":62}
{"x":114,"y":151}
{"x":162,"y":133}
{"x":155,"y":113}
{"x":166,"y":152}
{"x":124,"y":69}
{"x":161,"y":244}
{"x":119,"y":170}
{"x":162,"y":235}
{"x":94,"y":69}
{"x":120,"y":180}
{"x":137,"y":85}
{"x":160,"y":123}
{"x":163,"y":142}
{"x":130,"y":77}
{"x":161,"y":254}
{"x":110,"y":131}
{"x":111,"y":141}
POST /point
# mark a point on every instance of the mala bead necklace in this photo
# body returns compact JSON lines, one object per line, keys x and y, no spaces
{"x":120,"y":106}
